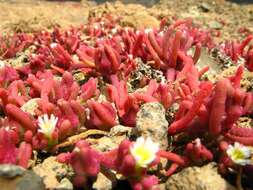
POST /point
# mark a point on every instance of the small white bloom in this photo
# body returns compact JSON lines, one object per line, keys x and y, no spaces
{"x":2,"y":64}
{"x":47,"y":125}
{"x":144,"y":151}
{"x":239,"y":153}
{"x":96,"y":27}
{"x":130,"y":56}
{"x":146,"y":31}
{"x":161,"y":34}
{"x":114,"y":31}
{"x":53,"y":45}
{"x":198,"y":142}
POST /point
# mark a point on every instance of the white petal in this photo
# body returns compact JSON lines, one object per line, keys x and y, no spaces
{"x":41,"y":120}
{"x":246,"y":151}
{"x":237,"y":145}
{"x":46,"y":119}
{"x":53,"y":45}
{"x":230,"y":149}
{"x":140,"y":141}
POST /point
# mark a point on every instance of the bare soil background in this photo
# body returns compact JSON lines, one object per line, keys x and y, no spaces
{"x":232,"y":20}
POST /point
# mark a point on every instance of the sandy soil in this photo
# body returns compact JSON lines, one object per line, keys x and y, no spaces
{"x":230,"y":19}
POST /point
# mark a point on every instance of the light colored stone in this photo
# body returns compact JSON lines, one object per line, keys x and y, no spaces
{"x":198,"y":178}
{"x":151,"y":122}
{"x":30,"y":106}
{"x":16,"y":178}
{"x":103,"y":182}
{"x":11,"y":171}
{"x":116,"y":135}
{"x":51,"y":170}
{"x":65,"y":184}
{"x":121,"y":130}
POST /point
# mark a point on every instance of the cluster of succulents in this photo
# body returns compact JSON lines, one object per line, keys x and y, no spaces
{"x":43,"y":102}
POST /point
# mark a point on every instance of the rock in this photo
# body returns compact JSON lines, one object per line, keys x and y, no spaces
{"x":52,"y":171}
{"x":205,"y":7}
{"x":144,"y":71}
{"x":140,"y":20}
{"x":162,"y":186}
{"x":65,"y":184}
{"x":121,"y":130}
{"x":206,"y":59}
{"x":104,"y":183}
{"x":16,"y":178}
{"x":11,"y":171}
{"x":20,"y":60}
{"x":246,"y":122}
{"x":201,"y":178}
{"x":31,"y":106}
{"x":247,"y":77}
{"x":215,"y":25}
{"x":151,"y":122}
{"x":116,"y":135}
{"x":105,"y":144}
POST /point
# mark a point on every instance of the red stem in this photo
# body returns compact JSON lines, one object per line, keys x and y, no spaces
{"x":20,"y":116}
{"x":172,"y":157}
{"x":175,"y":48}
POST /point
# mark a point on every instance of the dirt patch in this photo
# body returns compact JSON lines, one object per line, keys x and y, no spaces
{"x":30,"y":16}
{"x":229,"y":19}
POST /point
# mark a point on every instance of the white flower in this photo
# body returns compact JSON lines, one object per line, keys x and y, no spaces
{"x":47,"y":125}
{"x":2,"y":64}
{"x":130,"y":56}
{"x":114,"y":31}
{"x":198,"y":142}
{"x":144,"y":151}
{"x":239,"y":154}
{"x":146,"y":31}
{"x":53,"y":45}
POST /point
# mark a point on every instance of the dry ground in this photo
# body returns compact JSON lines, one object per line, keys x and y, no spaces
{"x":33,"y":15}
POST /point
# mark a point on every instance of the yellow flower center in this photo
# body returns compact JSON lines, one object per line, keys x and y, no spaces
{"x":143,"y":153}
{"x":238,"y":154}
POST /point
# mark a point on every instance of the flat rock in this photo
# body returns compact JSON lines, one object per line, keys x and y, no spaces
{"x":103,"y":182}
{"x":115,"y":136}
{"x":200,"y":178}
{"x":11,"y":171}
{"x":52,"y":171}
{"x":16,"y":178}
{"x":65,"y":184}
{"x":151,"y":122}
